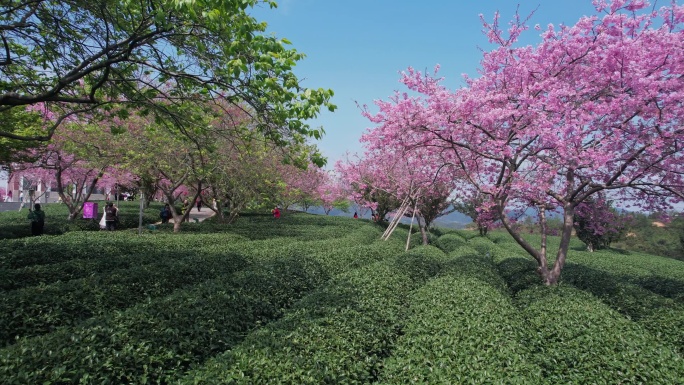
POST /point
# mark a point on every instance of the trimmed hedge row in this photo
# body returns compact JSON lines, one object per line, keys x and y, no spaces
{"x":47,"y":250}
{"x":33,"y":311}
{"x":661,"y":316}
{"x":37,"y":310}
{"x":663,"y":276}
{"x":42,"y":260}
{"x":13,"y":224}
{"x":460,"y":331}
{"x":155,"y":342}
{"x":450,"y":242}
{"x":338,"y":334}
{"x":519,"y":273}
{"x":472,"y":265}
{"x":575,"y":338}
{"x":422,"y":263}
{"x":299,"y":226}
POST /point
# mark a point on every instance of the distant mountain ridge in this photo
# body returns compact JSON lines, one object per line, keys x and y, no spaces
{"x":453,"y":220}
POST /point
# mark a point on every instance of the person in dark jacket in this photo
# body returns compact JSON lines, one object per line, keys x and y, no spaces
{"x":165,"y":213}
{"x":37,"y":218}
{"x":111,"y":217}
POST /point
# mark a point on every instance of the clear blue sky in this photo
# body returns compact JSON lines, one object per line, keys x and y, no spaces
{"x":358,"y":47}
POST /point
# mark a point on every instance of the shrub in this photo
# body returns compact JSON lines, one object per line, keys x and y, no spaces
{"x":661,"y":316}
{"x":481,"y":244}
{"x":158,"y":340}
{"x":422,"y":262}
{"x":575,"y":338}
{"x":450,"y":242}
{"x":338,"y":334}
{"x":41,"y":309}
{"x":475,"y":266}
{"x":460,"y":330}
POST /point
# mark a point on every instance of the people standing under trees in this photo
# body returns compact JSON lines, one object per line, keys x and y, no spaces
{"x":276,"y":212}
{"x":355,"y":215}
{"x":165,"y":213}
{"x":37,"y":218}
{"x":111,"y":217}
{"x":199,"y":204}
{"x":184,"y":210}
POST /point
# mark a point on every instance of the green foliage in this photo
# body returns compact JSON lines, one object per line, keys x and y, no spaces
{"x":651,"y":295}
{"x":22,"y":123}
{"x":644,"y":236}
{"x":40,"y":309}
{"x":449,"y":242}
{"x":13,"y":224}
{"x":460,"y":330}
{"x":157,"y":340}
{"x":318,"y":299}
{"x":422,"y":262}
{"x":338,"y":334}
{"x":481,"y":244}
{"x":598,"y":344}
{"x":227,"y":47}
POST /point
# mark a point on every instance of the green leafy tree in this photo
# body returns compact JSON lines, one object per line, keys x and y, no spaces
{"x":93,"y":57}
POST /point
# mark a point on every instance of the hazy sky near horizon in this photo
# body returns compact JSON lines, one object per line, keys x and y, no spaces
{"x":357,"y":48}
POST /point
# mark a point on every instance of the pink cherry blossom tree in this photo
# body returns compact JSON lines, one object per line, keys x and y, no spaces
{"x":597,"y":223}
{"x":331,"y":193}
{"x":593,"y":107}
{"x":388,"y":176}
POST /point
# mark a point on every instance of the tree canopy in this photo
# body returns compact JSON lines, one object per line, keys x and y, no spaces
{"x":92,"y":57}
{"x":593,"y":107}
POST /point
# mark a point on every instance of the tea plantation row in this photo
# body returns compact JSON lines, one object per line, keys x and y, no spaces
{"x":315,"y":300}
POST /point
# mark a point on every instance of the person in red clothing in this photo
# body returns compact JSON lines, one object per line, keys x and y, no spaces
{"x":355,"y":215}
{"x":276,"y":212}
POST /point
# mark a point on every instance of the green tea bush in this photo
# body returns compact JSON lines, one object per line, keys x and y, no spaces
{"x":500,"y":237}
{"x":474,"y":266}
{"x":349,"y":257}
{"x":417,"y":238}
{"x":575,"y":338}
{"x":661,"y":316}
{"x":460,"y":330}
{"x":41,"y":309}
{"x":464,"y":251}
{"x":482,"y":245}
{"x":661,"y":275}
{"x":423,"y":262}
{"x":450,"y":242}
{"x":338,"y":334}
{"x":103,"y":245}
{"x":467,"y":234}
{"x":156,"y":341}
{"x":519,"y":273}
{"x":45,"y":260}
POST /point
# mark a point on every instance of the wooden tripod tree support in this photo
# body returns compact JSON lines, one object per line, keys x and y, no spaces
{"x":395,"y":220}
{"x":408,"y":239}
